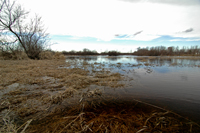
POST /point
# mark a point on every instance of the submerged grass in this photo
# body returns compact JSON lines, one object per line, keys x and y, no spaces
{"x":113,"y":115}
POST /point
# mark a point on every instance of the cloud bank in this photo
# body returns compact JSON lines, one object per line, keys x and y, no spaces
{"x":171,"y":2}
{"x":143,"y":20}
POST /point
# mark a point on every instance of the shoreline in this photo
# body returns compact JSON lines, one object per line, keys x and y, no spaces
{"x":36,"y":91}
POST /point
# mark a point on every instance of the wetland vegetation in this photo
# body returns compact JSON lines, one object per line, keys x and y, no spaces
{"x":46,"y":91}
{"x":148,"y":51}
{"x":89,"y":94}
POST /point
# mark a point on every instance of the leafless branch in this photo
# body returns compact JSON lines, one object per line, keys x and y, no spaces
{"x":32,"y":37}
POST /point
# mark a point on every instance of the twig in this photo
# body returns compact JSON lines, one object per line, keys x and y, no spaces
{"x":166,"y":110}
{"x":27,"y":124}
{"x":71,"y":122}
{"x":144,"y":127}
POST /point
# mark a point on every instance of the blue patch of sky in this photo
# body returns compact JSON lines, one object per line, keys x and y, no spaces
{"x":165,"y":38}
{"x":122,"y":36}
{"x":161,"y":41}
{"x":167,"y":41}
{"x":69,"y":38}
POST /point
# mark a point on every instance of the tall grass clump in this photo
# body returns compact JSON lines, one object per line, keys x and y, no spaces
{"x":49,"y":55}
{"x":16,"y":55}
{"x":20,"y":55}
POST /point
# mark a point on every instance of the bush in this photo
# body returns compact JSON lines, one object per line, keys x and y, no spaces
{"x":49,"y":55}
{"x":46,"y":55}
{"x":113,"y":53}
{"x":59,"y":55}
{"x":20,"y":55}
{"x":16,"y":55}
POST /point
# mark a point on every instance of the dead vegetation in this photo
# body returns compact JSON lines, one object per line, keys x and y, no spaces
{"x":21,"y":55}
{"x":49,"y":55}
{"x":181,"y":57}
{"x":31,"y":87}
{"x":143,"y":58}
{"x":27,"y":71}
{"x":113,"y":115}
{"x":59,"y":96}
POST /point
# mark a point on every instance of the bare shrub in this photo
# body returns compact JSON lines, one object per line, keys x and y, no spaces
{"x":31,"y":37}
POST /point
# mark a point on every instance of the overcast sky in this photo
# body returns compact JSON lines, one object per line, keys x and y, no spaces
{"x":120,"y":25}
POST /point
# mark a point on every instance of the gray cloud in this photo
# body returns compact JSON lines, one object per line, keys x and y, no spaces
{"x":171,"y":2}
{"x":138,"y":33}
{"x":189,"y":30}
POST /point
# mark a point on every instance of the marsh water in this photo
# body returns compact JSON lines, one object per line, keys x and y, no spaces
{"x":172,"y":83}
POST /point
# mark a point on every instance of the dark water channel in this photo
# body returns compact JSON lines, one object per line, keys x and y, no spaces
{"x":172,"y":83}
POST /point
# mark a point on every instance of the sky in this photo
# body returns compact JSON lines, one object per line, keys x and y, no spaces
{"x":122,"y":25}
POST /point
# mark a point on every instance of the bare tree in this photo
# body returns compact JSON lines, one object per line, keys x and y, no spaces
{"x":31,"y":37}
{"x":1,"y":40}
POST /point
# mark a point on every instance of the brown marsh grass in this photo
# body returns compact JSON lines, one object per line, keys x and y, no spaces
{"x":31,"y":87}
{"x":113,"y":115}
{"x":49,"y":55}
{"x":181,"y":57}
{"x":20,"y":55}
{"x":143,"y":58}
{"x":57,"y":96}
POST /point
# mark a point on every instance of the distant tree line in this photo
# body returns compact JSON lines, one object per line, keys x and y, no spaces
{"x":148,"y":51}
{"x":169,"y":51}
{"x":86,"y":51}
{"x":111,"y":53}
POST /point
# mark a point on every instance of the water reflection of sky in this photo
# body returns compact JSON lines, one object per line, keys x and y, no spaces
{"x":136,"y":60}
{"x":163,"y":69}
{"x":175,"y":82}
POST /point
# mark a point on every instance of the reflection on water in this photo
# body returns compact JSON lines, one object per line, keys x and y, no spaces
{"x":172,"y":83}
{"x":136,"y":59}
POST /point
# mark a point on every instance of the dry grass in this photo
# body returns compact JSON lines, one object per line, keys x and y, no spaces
{"x":9,"y":126}
{"x":20,"y":55}
{"x":48,"y":55}
{"x":55,"y":96}
{"x":34,"y":88}
{"x":143,"y":58}
{"x":109,"y":79}
{"x":152,"y":57}
{"x":28,"y":71}
{"x":116,"y":116}
{"x":17,"y":55}
{"x":181,"y":57}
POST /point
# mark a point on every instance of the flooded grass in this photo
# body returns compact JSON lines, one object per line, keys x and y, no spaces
{"x":182,"y":57}
{"x":112,"y":115}
{"x":60,"y":96}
